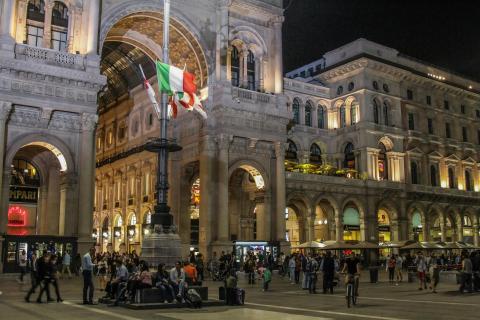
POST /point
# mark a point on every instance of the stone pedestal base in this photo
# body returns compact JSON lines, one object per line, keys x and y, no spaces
{"x":7,"y":47}
{"x":161,"y":247}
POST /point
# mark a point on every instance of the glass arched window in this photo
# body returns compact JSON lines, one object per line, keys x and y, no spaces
{"x":321,"y":117}
{"x":235,"y":68}
{"x":296,"y":111}
{"x":468,"y":181}
{"x":24,"y":173}
{"x":251,"y":70}
{"x":467,"y":222}
{"x":382,"y":162}
{"x":376,"y":112}
{"x":147,"y":218}
{"x":133,"y":220}
{"x":353,"y":114}
{"x":386,"y":111}
{"x":349,"y":160}
{"x":451,"y":178}
{"x":315,"y":154}
{"x":291,"y":152}
{"x":59,"y":26}
{"x":414,"y":172}
{"x":343,"y":121}
{"x":35,"y":22}
{"x":433,"y":176}
{"x":308,"y":114}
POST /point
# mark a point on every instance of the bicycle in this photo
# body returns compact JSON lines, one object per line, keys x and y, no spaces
{"x":351,"y":296}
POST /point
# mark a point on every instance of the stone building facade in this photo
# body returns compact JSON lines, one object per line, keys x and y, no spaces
{"x":396,"y":146}
{"x":49,"y":80}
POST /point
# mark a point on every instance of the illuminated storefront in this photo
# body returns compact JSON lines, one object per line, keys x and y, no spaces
{"x":417,"y":227}
{"x":384,"y":233}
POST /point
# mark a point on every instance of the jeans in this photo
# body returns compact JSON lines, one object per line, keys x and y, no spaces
{"x":466,"y":282}
{"x":312,"y":282}
{"x":251,"y":277}
{"x":292,"y":274}
{"x":87,"y":286}
{"x":327,"y":282}
{"x":391,"y":274}
{"x":45,"y":288}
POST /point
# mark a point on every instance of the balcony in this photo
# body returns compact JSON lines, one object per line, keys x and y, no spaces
{"x":50,"y":57}
{"x":252,"y":96}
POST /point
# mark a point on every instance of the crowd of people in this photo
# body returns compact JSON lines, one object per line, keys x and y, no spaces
{"x":122,"y":275}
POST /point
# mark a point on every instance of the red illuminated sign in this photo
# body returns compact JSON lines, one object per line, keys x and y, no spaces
{"x":16,"y":216}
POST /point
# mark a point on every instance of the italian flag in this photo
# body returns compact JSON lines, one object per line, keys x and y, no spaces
{"x":180,"y":85}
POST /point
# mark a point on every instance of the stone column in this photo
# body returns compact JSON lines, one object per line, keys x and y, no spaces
{"x":86,"y":172}
{"x":280,"y":191}
{"x":47,"y":27}
{"x":443,"y":237}
{"x":93,"y":21}
{"x":338,"y":226}
{"x":244,"y":68}
{"x":278,"y":64}
{"x":476,"y":243}
{"x":7,"y":41}
{"x":222,"y":192}
{"x":207,"y":192}
{"x":21,"y":32}
{"x":222,"y":41}
{"x":8,"y":14}
{"x":71,"y":32}
{"x":261,"y":76}
{"x":5,"y":109}
{"x":261,"y":217}
{"x":315,"y":116}
{"x":229,"y":64}
{"x":310,"y":227}
{"x":459,"y":232}
{"x":53,"y":201}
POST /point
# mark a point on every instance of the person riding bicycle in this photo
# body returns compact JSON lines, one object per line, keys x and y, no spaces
{"x":351,"y":268}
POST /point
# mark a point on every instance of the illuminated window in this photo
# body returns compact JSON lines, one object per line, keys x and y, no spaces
{"x":296,"y":111}
{"x":349,"y":160}
{"x":353,"y":114}
{"x":382,"y":163}
{"x":308,"y":114}
{"x":24,"y":173}
{"x":376,"y":112}
{"x":315,"y":154}
{"x":343,"y":121}
{"x":251,"y":70}
{"x":110,"y":137}
{"x":133,"y":220}
{"x":235,"y":68}
{"x":321,"y":115}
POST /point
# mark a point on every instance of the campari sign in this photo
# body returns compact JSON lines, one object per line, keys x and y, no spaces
{"x":17,"y":216}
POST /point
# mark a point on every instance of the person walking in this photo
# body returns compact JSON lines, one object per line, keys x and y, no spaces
{"x":292,"y":267}
{"x":328,"y":268}
{"x":22,"y":263}
{"x":267,"y":278}
{"x":66,"y":265}
{"x":434,"y":273}
{"x":40,"y":271}
{"x":87,"y":272}
{"x":391,"y":269}
{"x":249,"y":269}
{"x":467,"y":269}
{"x":312,"y":268}
{"x":421,"y":270}
{"x":44,"y":277}
{"x":52,"y":272}
{"x":398,"y":268}
{"x":33,"y":270}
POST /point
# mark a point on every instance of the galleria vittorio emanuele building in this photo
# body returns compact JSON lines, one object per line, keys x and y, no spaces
{"x":363,"y":144}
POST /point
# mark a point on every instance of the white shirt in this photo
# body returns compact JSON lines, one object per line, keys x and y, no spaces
{"x":22,"y":260}
{"x":87,"y":262}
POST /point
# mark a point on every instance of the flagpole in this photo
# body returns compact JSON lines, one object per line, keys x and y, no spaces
{"x":162,"y":214}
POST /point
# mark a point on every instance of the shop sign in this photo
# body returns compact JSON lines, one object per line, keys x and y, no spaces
{"x":351,"y":228}
{"x":384,"y":228}
{"x":16,"y":216}
{"x":23,"y":194}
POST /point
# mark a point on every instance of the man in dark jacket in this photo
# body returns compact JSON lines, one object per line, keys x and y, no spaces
{"x":328,"y":269}
{"x":42,"y":277}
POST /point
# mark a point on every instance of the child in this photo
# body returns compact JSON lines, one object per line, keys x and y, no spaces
{"x":267,"y":277}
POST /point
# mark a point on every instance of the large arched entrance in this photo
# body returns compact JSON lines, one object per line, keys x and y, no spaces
{"x":293,"y":221}
{"x":249,"y":212}
{"x":324,"y":224}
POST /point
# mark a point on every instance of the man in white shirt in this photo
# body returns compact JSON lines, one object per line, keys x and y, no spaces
{"x":87,"y":272}
{"x":22,"y":263}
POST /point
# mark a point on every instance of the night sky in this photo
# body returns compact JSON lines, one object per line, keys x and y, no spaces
{"x":444,"y":33}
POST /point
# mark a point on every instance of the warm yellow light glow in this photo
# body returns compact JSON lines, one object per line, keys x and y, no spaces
{"x":443,"y":183}
{"x":54,"y":150}
{"x":476,"y":188}
{"x":460,"y":187}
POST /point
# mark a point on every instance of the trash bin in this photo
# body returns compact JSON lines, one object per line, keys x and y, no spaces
{"x":373,"y":274}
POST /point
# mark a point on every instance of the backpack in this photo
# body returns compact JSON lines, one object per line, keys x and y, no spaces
{"x":193,"y":299}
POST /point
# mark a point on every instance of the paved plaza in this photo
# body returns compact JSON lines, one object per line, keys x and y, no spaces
{"x":285,"y":301}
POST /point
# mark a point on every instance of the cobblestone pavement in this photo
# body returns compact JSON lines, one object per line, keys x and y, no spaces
{"x":285,"y":301}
